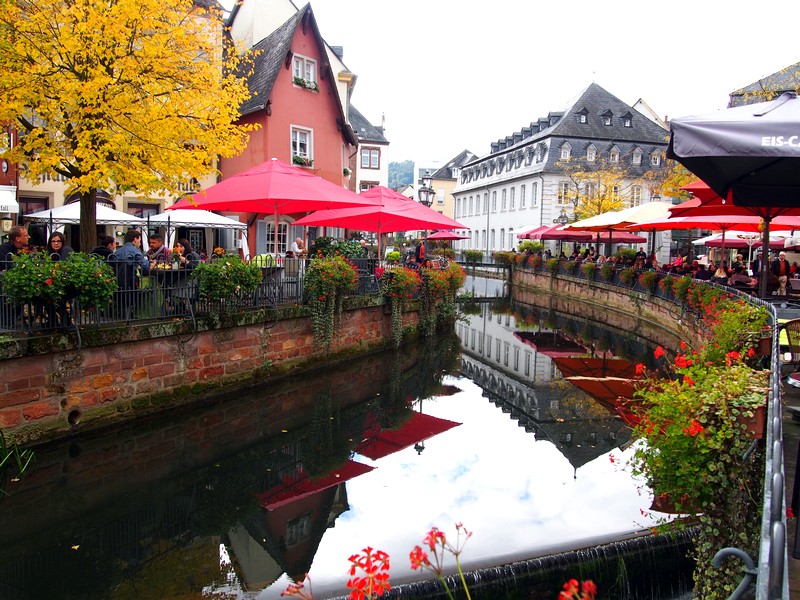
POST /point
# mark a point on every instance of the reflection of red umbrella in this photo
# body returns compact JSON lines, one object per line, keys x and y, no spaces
{"x":389,"y":211}
{"x":550,"y":344}
{"x":447,"y":235}
{"x":418,"y":428}
{"x":273,"y":188}
{"x":555,"y":232}
{"x":301,"y":485}
{"x":606,"y":389}
{"x":589,"y":366}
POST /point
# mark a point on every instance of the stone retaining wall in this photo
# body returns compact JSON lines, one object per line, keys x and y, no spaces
{"x":130,"y":371}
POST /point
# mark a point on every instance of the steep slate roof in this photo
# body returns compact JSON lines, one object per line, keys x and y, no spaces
{"x":785,"y":80}
{"x":366,"y":131}
{"x":446,"y":172}
{"x":273,"y":52}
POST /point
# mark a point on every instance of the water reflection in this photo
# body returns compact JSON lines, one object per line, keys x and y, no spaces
{"x":233,"y":498}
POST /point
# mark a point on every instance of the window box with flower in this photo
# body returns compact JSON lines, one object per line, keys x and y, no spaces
{"x":302,"y":161}
{"x":306,"y":84}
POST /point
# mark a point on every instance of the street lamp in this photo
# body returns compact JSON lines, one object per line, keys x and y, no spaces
{"x":426,"y":194}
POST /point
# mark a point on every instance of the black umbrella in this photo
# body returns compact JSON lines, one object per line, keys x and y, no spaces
{"x":749,"y":155}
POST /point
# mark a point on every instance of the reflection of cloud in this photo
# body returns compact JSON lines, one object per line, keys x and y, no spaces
{"x":518,"y":495}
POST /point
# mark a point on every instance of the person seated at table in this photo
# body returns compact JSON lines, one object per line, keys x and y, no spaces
{"x":720,"y":274}
{"x":189,"y":259}
{"x":106,"y":247}
{"x":158,"y":251}
{"x":57,"y":248}
{"x":739,"y":278}
{"x":17,"y":242}
{"x":702,"y":273}
{"x":130,"y":253}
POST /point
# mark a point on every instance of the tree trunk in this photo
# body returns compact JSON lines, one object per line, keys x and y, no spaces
{"x":88,"y":226}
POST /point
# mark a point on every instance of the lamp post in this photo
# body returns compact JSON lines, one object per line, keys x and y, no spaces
{"x":426,"y":194}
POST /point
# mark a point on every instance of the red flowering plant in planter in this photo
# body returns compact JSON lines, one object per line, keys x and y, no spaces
{"x":694,"y":421}
{"x":398,"y":285}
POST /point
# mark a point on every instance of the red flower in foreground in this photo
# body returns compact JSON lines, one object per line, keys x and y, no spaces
{"x":588,"y":590}
{"x":693,"y":429}
{"x":375,"y":564}
{"x":659,"y":352}
{"x":640,"y":369}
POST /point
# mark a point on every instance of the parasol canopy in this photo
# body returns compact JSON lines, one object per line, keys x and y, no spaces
{"x":70,"y":214}
{"x":594,"y":366}
{"x":447,"y":235}
{"x":385,"y":211}
{"x":551,"y":344}
{"x":747,"y":154}
{"x":273,"y":188}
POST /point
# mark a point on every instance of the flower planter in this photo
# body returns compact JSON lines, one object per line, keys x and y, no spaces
{"x":756,"y":424}
{"x":764,"y":346}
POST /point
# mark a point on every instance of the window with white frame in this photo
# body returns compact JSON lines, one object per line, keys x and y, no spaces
{"x":510,"y":238}
{"x":304,"y":68}
{"x":469,"y":210}
{"x":491,"y":239}
{"x":483,"y":238}
{"x":636,"y":158}
{"x":627,"y":121}
{"x":563,"y":193}
{"x":440,"y":198}
{"x":590,"y":190}
{"x":591,"y":153}
{"x":655,"y":159}
{"x":534,"y":194}
{"x":607,"y":118}
{"x":504,"y":201}
{"x":485,"y":202}
{"x":511,"y":200}
{"x":494,"y":203}
{"x":613,"y":155}
{"x":502,"y":238}
{"x":302,"y":143}
{"x":566,"y":151}
{"x":615,"y":192}
{"x":522,"y":196}
{"x":636,"y":195}
{"x":368,"y":185}
{"x":370,"y":158}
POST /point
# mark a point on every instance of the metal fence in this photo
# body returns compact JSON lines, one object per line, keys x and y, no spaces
{"x":165,"y":293}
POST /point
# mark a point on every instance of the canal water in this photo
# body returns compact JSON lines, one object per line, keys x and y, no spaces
{"x":234,"y":498}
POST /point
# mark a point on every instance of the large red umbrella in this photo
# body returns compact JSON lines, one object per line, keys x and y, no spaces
{"x":551,"y":344}
{"x":388,"y":211}
{"x":708,"y":203}
{"x":594,"y":366}
{"x":273,"y":188}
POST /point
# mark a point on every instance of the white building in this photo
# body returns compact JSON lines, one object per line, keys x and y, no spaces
{"x":521,"y":184}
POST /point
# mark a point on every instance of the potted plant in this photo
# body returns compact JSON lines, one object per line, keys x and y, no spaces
{"x":571,"y":266}
{"x":589,"y":269}
{"x":607,"y":271}
{"x":398,"y":286}
{"x":328,"y":279}
{"x":552,"y":265}
{"x":225,"y":278}
{"x":647,"y":280}
{"x":627,"y":275}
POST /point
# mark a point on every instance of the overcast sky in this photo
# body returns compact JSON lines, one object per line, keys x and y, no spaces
{"x":451,"y":75}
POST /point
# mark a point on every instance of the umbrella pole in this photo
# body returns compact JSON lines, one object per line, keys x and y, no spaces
{"x":275,"y":237}
{"x":762,"y":286}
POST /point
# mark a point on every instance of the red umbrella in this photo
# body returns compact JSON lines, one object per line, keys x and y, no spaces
{"x":447,"y":235}
{"x":708,"y":203}
{"x":606,"y":389}
{"x":418,"y":428}
{"x":275,"y":188}
{"x":555,"y":232}
{"x":388,"y":211}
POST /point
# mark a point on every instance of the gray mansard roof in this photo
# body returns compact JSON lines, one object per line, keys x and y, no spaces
{"x":366,"y":131}
{"x":597,"y":118}
{"x":452,"y":167}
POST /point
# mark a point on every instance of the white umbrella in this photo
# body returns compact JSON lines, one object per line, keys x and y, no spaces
{"x":70,"y":214}
{"x":191,"y":217}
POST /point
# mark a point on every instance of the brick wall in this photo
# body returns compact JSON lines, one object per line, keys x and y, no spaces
{"x":49,"y":394}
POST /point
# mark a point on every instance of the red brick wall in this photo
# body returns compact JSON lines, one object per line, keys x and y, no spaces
{"x":39,"y":394}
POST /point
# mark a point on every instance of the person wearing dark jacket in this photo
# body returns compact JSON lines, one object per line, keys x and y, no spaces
{"x":106,"y":247}
{"x":57,"y":248}
{"x":17,"y":240}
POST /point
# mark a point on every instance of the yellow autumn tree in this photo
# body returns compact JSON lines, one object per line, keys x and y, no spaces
{"x":596,"y":188}
{"x":119,"y":95}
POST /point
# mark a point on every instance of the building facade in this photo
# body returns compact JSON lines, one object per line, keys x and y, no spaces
{"x":523,"y":183}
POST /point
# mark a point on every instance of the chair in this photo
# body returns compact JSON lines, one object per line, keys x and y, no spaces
{"x":792,"y":330}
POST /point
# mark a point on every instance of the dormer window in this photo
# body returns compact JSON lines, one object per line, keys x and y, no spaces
{"x":591,"y":153}
{"x":636,"y":159}
{"x":613,"y":155}
{"x":583,"y":116}
{"x":627,"y":120}
{"x":539,"y":152}
{"x":655,"y":159}
{"x":566,"y":151}
{"x":607,"y":117}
